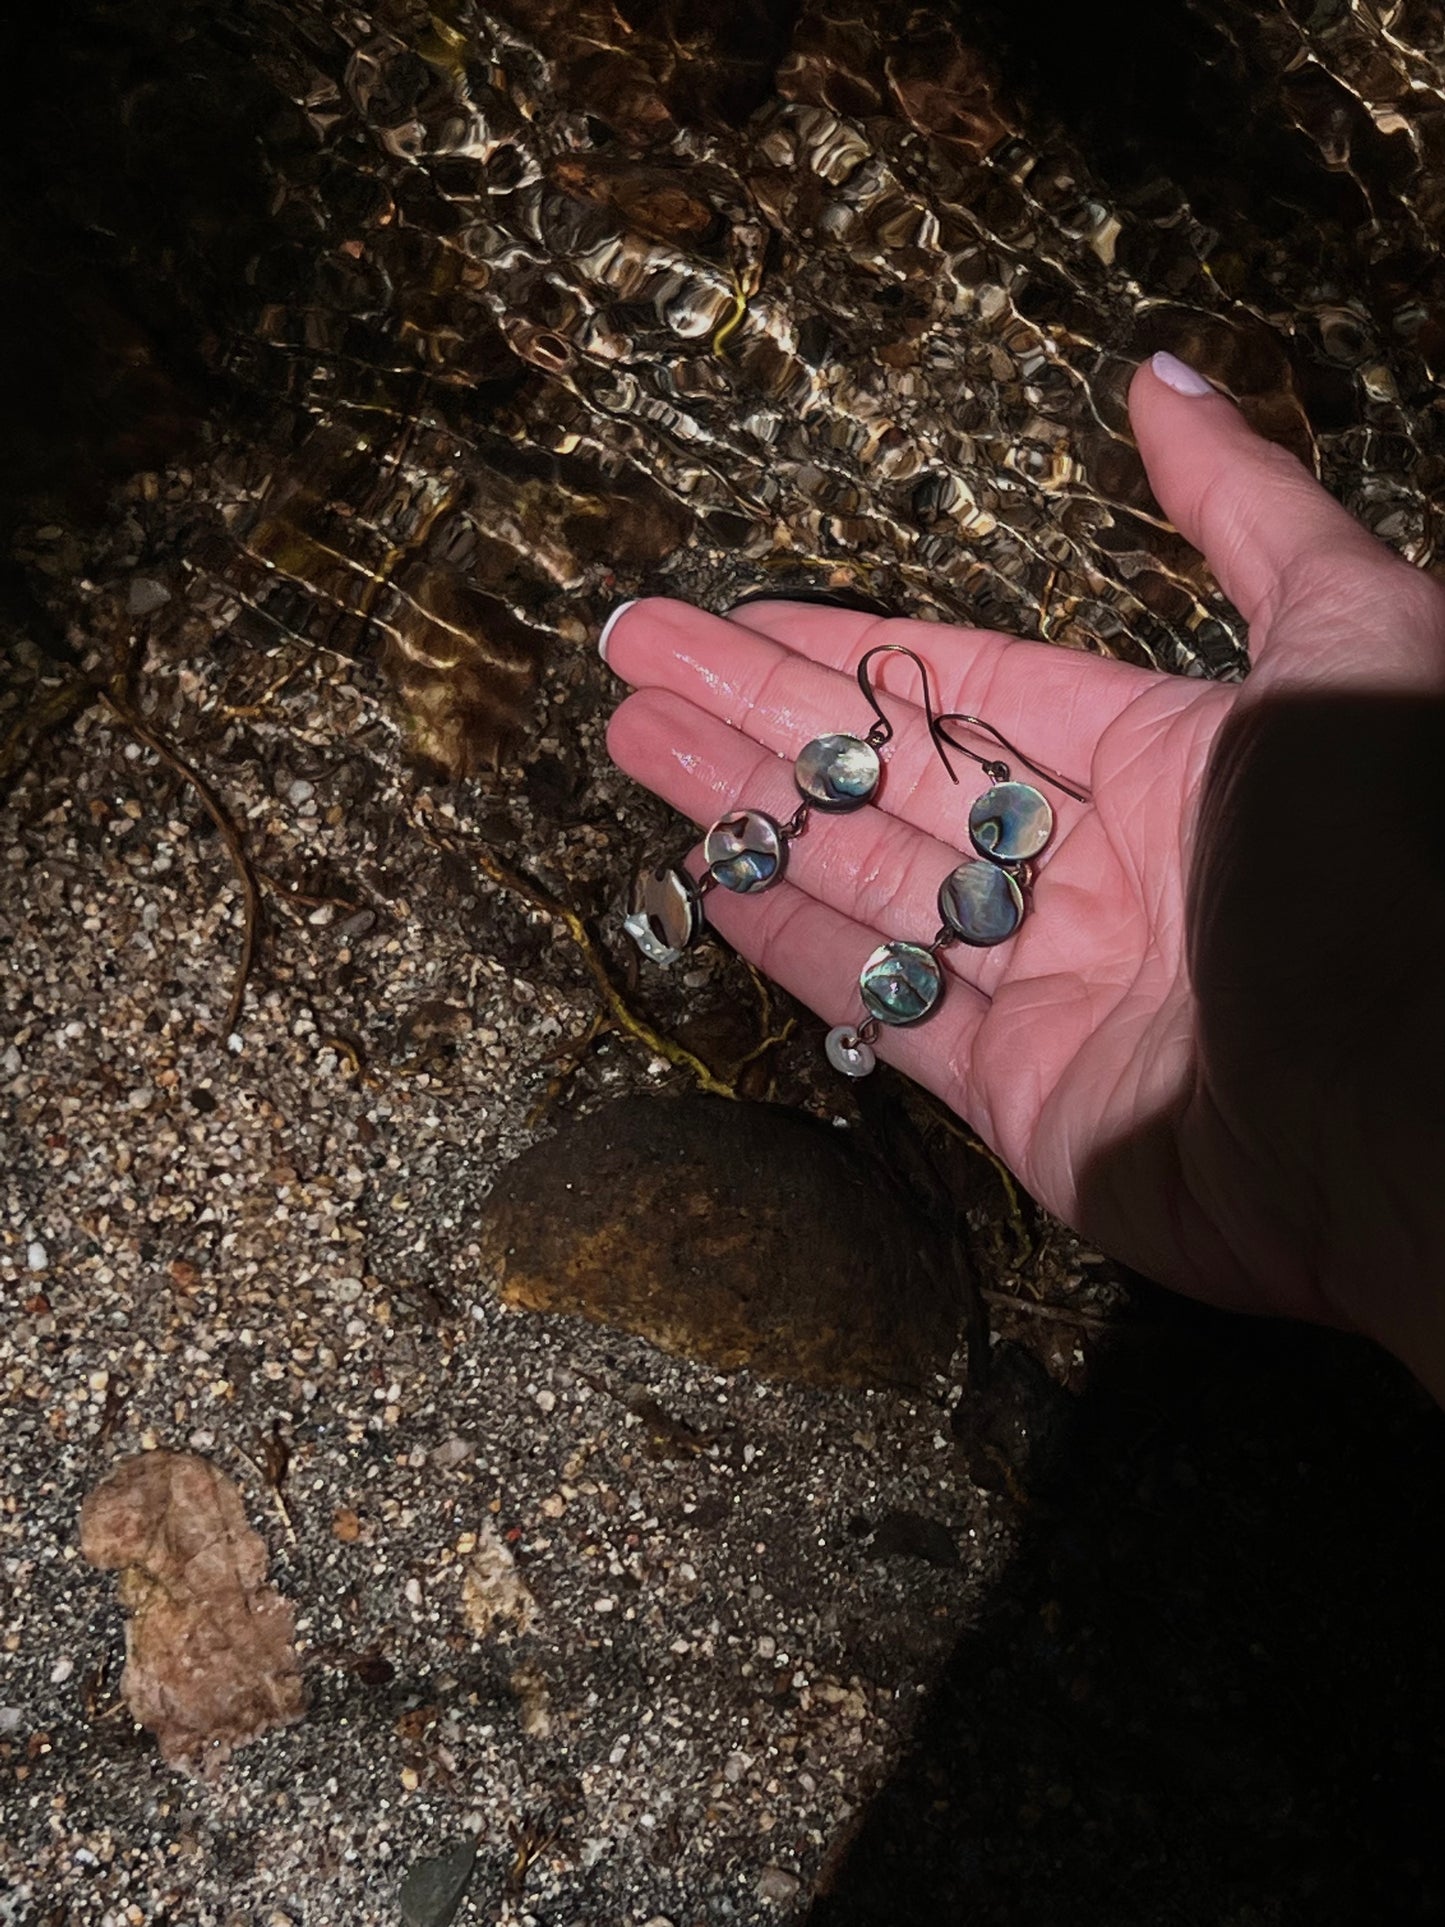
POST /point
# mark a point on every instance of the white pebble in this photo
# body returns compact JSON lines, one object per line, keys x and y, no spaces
{"x":36,"y":1256}
{"x":61,"y":1671}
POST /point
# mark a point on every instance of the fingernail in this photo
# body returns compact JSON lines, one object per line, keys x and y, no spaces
{"x":608,"y":626}
{"x":1179,"y":376}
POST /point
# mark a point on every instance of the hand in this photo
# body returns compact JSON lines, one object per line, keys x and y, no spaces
{"x":1183,"y":1053}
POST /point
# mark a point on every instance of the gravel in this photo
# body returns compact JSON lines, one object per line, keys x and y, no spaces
{"x":260,"y":1246}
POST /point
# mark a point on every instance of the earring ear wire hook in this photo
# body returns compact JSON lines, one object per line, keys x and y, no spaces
{"x":999,"y":771}
{"x":882,"y":730}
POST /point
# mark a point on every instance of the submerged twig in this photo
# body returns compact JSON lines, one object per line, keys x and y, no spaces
{"x":1040,"y":1308}
{"x":615,"y":1005}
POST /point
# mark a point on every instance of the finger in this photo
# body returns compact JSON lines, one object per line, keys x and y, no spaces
{"x":1053,"y":704}
{"x":884,"y":875}
{"x":1276,"y":540}
{"x":816,"y":952}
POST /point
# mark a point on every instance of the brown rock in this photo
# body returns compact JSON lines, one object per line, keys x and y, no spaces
{"x":209,"y":1657}
{"x":736,"y":1234}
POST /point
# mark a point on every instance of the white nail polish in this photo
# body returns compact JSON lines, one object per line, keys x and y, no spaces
{"x":1179,"y":376}
{"x":607,"y":627}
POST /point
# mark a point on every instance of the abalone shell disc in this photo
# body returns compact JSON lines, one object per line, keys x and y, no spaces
{"x":1010,"y":823}
{"x":744,"y":851}
{"x":664,"y":915}
{"x":838,"y":772}
{"x":901,"y":983}
{"x":980,"y":903}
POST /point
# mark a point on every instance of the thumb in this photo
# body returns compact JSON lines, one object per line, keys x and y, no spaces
{"x":1276,"y":540}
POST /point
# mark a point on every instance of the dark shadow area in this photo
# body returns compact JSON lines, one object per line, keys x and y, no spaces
{"x":133,"y":192}
{"x":1212,"y":1691}
{"x":635,"y":65}
{"x":1162,"y":87}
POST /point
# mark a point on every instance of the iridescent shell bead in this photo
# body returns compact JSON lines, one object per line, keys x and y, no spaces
{"x":837,"y":772}
{"x":980,"y":903}
{"x":664,"y":917}
{"x":900,"y":983}
{"x":1010,"y":822}
{"x":745,"y":851}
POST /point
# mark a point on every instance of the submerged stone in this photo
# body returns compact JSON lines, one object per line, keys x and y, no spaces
{"x":734,"y":1234}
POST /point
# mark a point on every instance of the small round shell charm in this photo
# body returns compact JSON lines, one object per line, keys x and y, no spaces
{"x":745,"y":852}
{"x":838,"y":772}
{"x":1010,"y":823}
{"x":981,"y":903}
{"x":664,"y":915}
{"x":900,"y":983}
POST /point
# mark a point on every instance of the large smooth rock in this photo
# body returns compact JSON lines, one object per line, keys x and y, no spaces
{"x":735,"y":1234}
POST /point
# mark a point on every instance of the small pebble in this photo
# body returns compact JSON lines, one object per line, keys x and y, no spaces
{"x":432,"y":1891}
{"x":36,"y":1256}
{"x":144,"y":595}
{"x":778,"y":1885}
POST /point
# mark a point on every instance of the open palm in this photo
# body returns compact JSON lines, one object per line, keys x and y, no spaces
{"x":1089,"y":1050}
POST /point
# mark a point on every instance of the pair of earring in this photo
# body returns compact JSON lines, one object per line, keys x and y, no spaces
{"x":981,"y":902}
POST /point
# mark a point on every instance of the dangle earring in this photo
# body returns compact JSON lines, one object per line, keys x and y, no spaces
{"x":981,"y":903}
{"x":746,"y":850}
